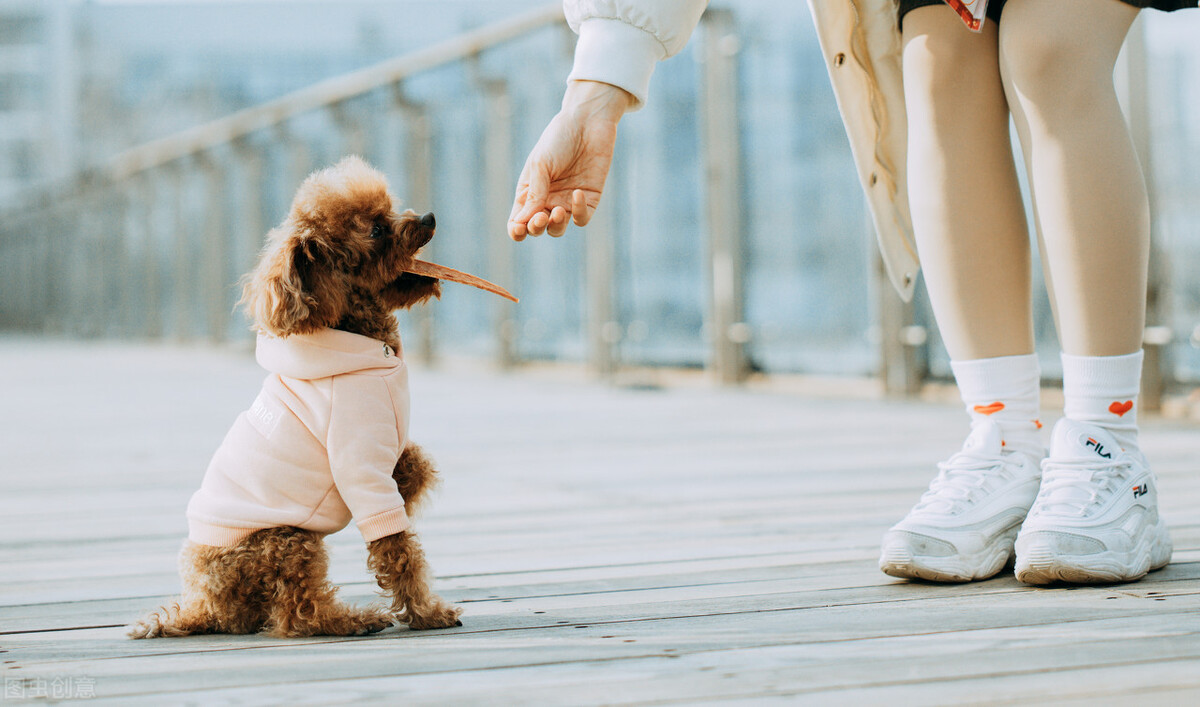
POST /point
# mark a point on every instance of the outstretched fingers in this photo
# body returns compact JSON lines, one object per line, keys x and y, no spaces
{"x":552,"y":221}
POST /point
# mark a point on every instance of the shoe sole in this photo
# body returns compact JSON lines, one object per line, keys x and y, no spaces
{"x":1038,"y":564}
{"x":896,"y":560}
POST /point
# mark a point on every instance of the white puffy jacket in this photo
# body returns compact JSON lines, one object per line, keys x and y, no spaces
{"x":620,"y":41}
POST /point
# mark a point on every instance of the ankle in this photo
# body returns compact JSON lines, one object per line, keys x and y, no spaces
{"x":1005,"y":391}
{"x":1103,"y":391}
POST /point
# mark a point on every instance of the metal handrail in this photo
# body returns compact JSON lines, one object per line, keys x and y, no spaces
{"x":94,"y":289}
{"x":121,"y":275}
{"x":323,"y":94}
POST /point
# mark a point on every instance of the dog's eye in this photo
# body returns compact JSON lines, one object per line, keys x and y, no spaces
{"x":376,"y":231}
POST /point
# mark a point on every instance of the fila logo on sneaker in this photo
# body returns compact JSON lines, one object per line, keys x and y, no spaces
{"x":1140,"y":490}
{"x":1098,"y":447}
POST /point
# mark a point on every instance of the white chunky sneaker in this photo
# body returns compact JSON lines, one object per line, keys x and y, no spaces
{"x":963,"y":527}
{"x":1096,"y":517}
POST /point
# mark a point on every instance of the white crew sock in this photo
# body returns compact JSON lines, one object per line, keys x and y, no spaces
{"x":1103,"y":390}
{"x":1006,"y":390}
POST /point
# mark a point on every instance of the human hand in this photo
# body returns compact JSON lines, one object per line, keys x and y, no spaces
{"x":565,"y":172}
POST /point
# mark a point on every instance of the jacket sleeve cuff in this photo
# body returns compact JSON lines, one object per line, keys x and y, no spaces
{"x":384,"y":524}
{"x":613,"y":52}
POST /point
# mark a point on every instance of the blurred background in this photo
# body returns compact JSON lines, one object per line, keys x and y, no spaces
{"x":146,"y":147}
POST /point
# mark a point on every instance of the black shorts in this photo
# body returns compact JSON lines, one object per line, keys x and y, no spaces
{"x":995,"y":7}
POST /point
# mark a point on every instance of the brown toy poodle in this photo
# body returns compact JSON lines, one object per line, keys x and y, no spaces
{"x":326,"y":440}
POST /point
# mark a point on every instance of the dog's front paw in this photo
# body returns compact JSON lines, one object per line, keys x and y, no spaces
{"x":376,"y":623}
{"x":437,"y":615}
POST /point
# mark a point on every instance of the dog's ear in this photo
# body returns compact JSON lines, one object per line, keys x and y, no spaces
{"x":294,"y":289}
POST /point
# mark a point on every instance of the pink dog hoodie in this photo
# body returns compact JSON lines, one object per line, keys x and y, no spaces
{"x":316,"y":448}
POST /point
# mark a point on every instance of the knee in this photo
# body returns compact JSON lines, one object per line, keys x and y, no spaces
{"x":1055,"y":72}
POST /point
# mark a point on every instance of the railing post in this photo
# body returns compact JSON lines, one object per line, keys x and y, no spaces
{"x":16,"y":268}
{"x":299,"y":161}
{"x":354,"y":139}
{"x":94,"y":269}
{"x":603,"y":329}
{"x":498,"y":179}
{"x":121,"y":276}
{"x":55,"y":296}
{"x":418,"y":185}
{"x":183,"y":267}
{"x":56,"y":290}
{"x":151,"y":298}
{"x":902,"y":343}
{"x":214,"y":251}
{"x":728,"y":330}
{"x":250,"y":231}
{"x":39,"y":252}
{"x":17,"y":253}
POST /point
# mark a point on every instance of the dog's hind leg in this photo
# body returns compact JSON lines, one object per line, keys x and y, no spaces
{"x":303,"y":602}
{"x":400,"y":568}
{"x":415,"y":475}
{"x":173,"y":621}
{"x":219,"y":595}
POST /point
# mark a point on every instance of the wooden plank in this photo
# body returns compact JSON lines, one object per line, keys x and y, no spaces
{"x":616,"y":546}
{"x":820,"y":612}
{"x":601,"y":586}
{"x":1031,"y":673}
{"x":829,"y":653}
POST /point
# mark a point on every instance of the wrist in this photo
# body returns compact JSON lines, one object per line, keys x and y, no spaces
{"x":597,"y":99}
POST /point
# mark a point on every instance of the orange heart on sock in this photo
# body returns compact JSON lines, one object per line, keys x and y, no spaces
{"x":1120,"y":409}
{"x":989,"y":409}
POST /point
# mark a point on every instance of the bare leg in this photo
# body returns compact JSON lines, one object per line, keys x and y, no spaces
{"x":966,"y":203}
{"x":1056,"y":59}
{"x":974,"y":245}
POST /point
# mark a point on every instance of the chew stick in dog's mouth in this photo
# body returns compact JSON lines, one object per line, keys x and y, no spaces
{"x":441,"y":272}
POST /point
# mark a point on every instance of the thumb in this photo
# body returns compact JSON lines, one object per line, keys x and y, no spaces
{"x":536,"y":193}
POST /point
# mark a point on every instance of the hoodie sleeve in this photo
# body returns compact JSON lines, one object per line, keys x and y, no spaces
{"x":364,"y":444}
{"x":621,"y":41}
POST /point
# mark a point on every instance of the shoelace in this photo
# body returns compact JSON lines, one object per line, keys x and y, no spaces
{"x":959,"y":479}
{"x":1075,"y":487}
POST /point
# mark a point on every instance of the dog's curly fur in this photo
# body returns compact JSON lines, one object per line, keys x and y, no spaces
{"x":337,"y":260}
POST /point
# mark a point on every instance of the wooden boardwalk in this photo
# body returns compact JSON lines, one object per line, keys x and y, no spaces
{"x":609,"y":546}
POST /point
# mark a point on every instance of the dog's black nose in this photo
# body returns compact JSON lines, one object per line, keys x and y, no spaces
{"x":428,"y":221}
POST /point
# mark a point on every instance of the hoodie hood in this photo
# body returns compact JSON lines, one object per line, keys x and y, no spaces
{"x":324,"y":353}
